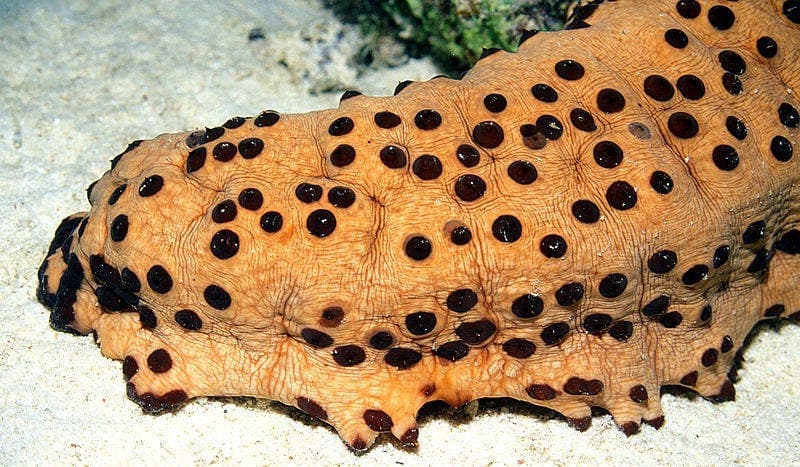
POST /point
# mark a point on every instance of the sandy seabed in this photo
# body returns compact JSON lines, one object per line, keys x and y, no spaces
{"x":78,"y":81}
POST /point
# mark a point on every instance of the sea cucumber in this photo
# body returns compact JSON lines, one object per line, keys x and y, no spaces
{"x":607,"y":211}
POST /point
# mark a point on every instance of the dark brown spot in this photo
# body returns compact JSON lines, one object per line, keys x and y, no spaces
{"x":316,"y":338}
{"x":689,"y":9}
{"x":223,"y":212}
{"x":250,"y":147}
{"x":788,"y":115}
{"x":662,"y":262}
{"x":381,"y":340}
{"x":409,"y":438}
{"x":544,"y":93}
{"x":159,"y":279}
{"x":266,"y":118}
{"x":621,"y":195}
{"x":582,"y":120}
{"x":610,"y":101}
{"x":676,"y":38}
{"x":781,"y":148}
{"x":129,"y":367}
{"x":488,"y":134}
{"x":308,"y":192}
{"x":725,"y":157}
{"x":469,"y":187}
{"x":427,"y":167}
{"x":147,"y":317}
{"x":621,"y":330}
{"x":682,"y":125}
{"x":709,"y":357}
{"x":661,"y":182}
{"x":695,"y":274}
{"x":453,"y":351}
{"x":387,"y":119}
{"x":332,"y":317}
{"x":670,"y":320}
{"x":188,"y":319}
{"x":159,"y":361}
{"x":271,"y":221}
{"x":732,"y":83}
{"x":402,"y":358}
{"x":460,"y":235}
{"x":378,"y":420}
{"x":689,"y":379}
{"x":358,"y":444}
{"x":119,"y":228}
{"x":519,"y":347}
{"x":195,"y":160}
{"x":569,"y":70}
{"x":420,"y":322}
{"x":775,"y":311}
{"x":468,"y":155}
{"x":638,"y":394}
{"x":393,"y":157}
{"x":554,"y":333}
{"x":596,"y":322}
{"x":658,"y":88}
{"x":495,"y":103}
{"x":629,"y":428}
{"x":475,"y":332}
{"x":721,"y":17}
{"x":151,"y":185}
{"x":224,"y":244}
{"x":726,"y":345}
{"x":461,"y":300}
{"x":343,"y":155}
{"x":569,"y":294}
{"x":507,"y":229}
{"x":586,"y":211}
{"x":736,"y":128}
{"x":726,"y":393}
{"x":321,"y":223}
{"x":348,"y":355}
{"x":691,"y":87}
{"x":341,"y":126}
{"x":767,"y":46}
{"x":312,"y":408}
{"x":418,"y":248}
{"x":656,"y":423}
{"x":541,"y":392}
{"x":553,"y":246}
{"x":427,"y":119}
{"x":527,"y":306}
{"x":224,"y":151}
{"x":550,"y":127}
{"x":522,"y":172}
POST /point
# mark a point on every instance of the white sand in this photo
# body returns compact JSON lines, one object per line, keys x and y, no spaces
{"x":78,"y":81}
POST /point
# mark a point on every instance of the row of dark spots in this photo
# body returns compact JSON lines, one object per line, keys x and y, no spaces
{"x":422,"y":323}
{"x":709,"y":358}
{"x":117,"y":292}
{"x":248,"y":148}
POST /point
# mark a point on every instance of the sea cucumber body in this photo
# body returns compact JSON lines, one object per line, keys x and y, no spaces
{"x":607,"y":211}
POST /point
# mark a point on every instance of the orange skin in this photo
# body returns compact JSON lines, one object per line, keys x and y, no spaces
{"x":548,"y":301}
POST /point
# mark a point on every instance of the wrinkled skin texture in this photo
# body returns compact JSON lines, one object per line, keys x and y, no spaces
{"x":297,"y":307}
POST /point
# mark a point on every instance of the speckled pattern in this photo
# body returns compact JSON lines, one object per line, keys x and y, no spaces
{"x":607,"y":211}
